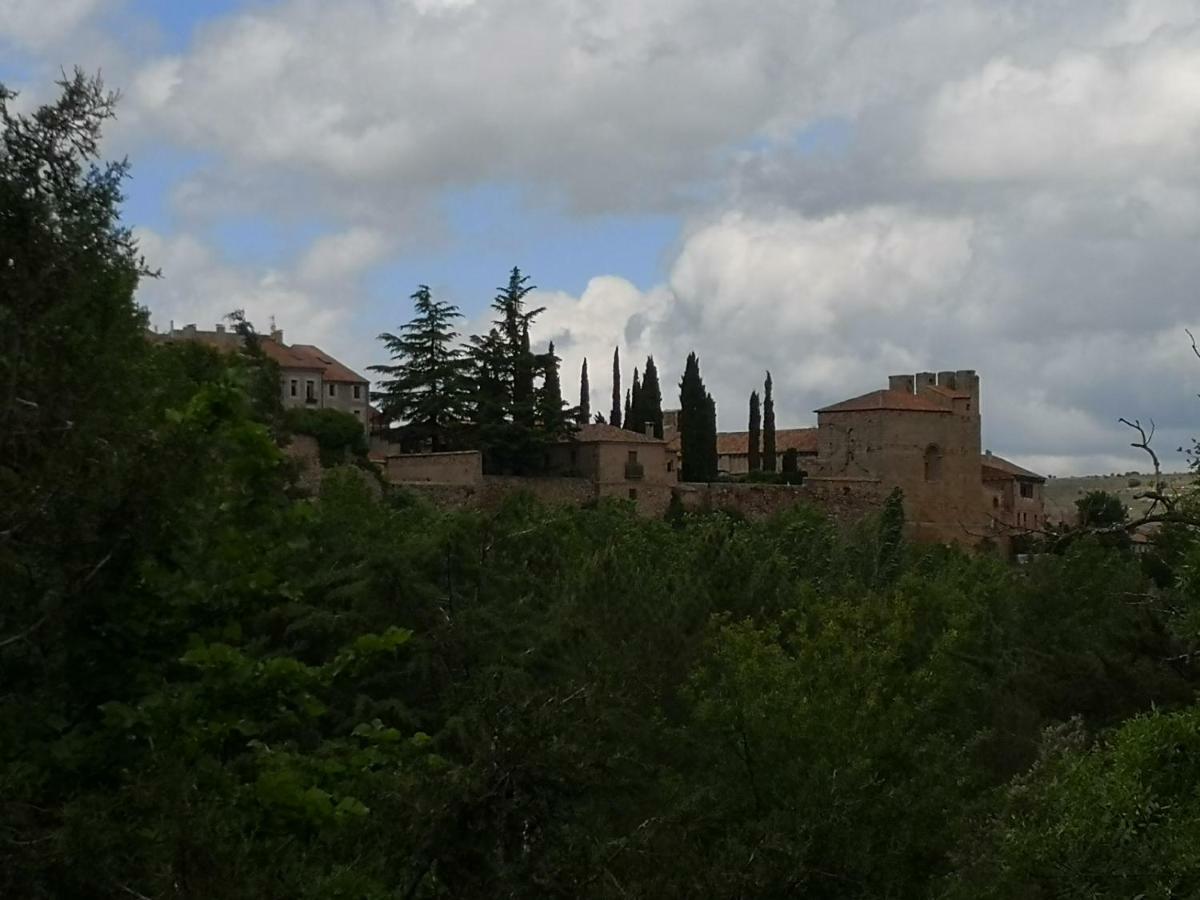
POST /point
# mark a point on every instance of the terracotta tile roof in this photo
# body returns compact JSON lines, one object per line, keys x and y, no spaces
{"x":333,"y":370}
{"x":286,"y":358}
{"x":593,"y":434}
{"x":997,"y":468}
{"x":803,"y":440}
{"x":885,"y":399}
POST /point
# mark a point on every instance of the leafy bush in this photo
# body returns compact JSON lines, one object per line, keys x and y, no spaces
{"x":338,"y":434}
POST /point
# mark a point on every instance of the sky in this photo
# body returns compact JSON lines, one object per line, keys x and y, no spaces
{"x":834,"y":190}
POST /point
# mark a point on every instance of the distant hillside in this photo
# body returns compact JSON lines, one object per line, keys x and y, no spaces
{"x":1061,"y":493}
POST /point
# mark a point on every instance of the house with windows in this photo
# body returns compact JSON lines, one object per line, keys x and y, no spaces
{"x":620,"y":463}
{"x":1014,"y":495}
{"x":310,"y":378}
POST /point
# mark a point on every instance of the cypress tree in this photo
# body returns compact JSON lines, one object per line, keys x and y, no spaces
{"x":709,"y":449}
{"x":633,"y":418}
{"x":627,"y":417}
{"x":755,"y":450}
{"x":614,"y":417}
{"x":652,"y":398}
{"x":697,"y":425}
{"x":768,"y":448}
{"x":585,"y":395}
{"x":553,"y":419}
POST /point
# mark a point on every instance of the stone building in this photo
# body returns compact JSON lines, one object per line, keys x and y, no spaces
{"x":620,"y":463}
{"x":310,"y":378}
{"x":922,"y":435}
{"x":1014,"y":499}
{"x":733,"y":449}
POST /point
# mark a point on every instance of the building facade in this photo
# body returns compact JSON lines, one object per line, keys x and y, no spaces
{"x":310,"y":378}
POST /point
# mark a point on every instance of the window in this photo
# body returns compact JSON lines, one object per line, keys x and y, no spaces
{"x":633,"y":493}
{"x":995,"y":502}
{"x":332,"y":390}
{"x":358,"y":392}
{"x":310,"y":391}
{"x":632,"y":456}
{"x":295,"y":385}
{"x":670,"y":465}
{"x":1027,"y":490}
{"x":933,"y":463}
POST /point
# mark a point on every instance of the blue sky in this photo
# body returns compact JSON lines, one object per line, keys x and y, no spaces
{"x":835,"y":192}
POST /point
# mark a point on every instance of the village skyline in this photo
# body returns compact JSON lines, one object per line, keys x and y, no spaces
{"x":1007,"y":187}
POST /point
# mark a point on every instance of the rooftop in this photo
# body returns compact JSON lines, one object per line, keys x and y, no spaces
{"x":886,"y":399}
{"x":802,"y":440}
{"x":998,"y":468}
{"x":594,"y":434}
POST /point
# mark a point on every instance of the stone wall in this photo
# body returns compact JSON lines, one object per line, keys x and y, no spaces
{"x":491,"y":490}
{"x":465,"y":467}
{"x":844,"y":500}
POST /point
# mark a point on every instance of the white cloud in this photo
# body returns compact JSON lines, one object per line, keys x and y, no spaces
{"x":36,"y":24}
{"x":1016,"y":191}
{"x":335,"y":257}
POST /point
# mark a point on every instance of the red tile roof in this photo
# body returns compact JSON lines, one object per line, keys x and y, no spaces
{"x":885,"y":399}
{"x":286,"y":358}
{"x":803,"y":440}
{"x":333,"y":370}
{"x":997,"y":468}
{"x":592,"y":434}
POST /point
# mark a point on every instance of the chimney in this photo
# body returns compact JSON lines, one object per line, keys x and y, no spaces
{"x":220,"y":328}
{"x":649,"y":429}
{"x":988,"y":454}
{"x":926,"y":380}
{"x":904,"y":384}
{"x":277,"y":335}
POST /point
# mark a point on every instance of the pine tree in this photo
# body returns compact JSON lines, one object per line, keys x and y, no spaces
{"x":697,"y":425}
{"x":614,"y":417}
{"x":585,"y":396}
{"x":768,"y":450}
{"x":425,"y":385}
{"x":503,"y":383}
{"x":755,"y":450}
{"x":651,"y":397}
{"x":633,"y":421}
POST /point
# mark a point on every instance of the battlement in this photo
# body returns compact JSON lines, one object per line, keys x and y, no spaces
{"x":936,"y":385}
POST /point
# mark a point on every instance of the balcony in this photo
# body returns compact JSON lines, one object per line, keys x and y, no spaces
{"x":634,"y":471}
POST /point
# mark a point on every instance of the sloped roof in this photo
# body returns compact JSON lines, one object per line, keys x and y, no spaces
{"x":287,"y":358}
{"x":333,"y":370}
{"x":595,"y":434}
{"x":997,"y":468}
{"x":885,"y":399}
{"x":802,"y":440}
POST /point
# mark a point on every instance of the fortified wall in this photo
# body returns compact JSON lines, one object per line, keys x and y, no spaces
{"x":455,"y":481}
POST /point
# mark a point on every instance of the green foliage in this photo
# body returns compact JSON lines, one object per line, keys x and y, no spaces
{"x":339,"y":435}
{"x":583,"y":414}
{"x":697,"y":425}
{"x":425,"y":387}
{"x":755,"y":450}
{"x":768,"y":438}
{"x":1100,"y":509}
{"x":614,"y":416}
{"x":214,"y":688}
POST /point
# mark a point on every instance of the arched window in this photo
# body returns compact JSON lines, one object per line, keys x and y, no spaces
{"x":933,"y":463}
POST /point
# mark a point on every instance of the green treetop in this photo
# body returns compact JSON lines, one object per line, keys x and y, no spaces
{"x":425,"y":386}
